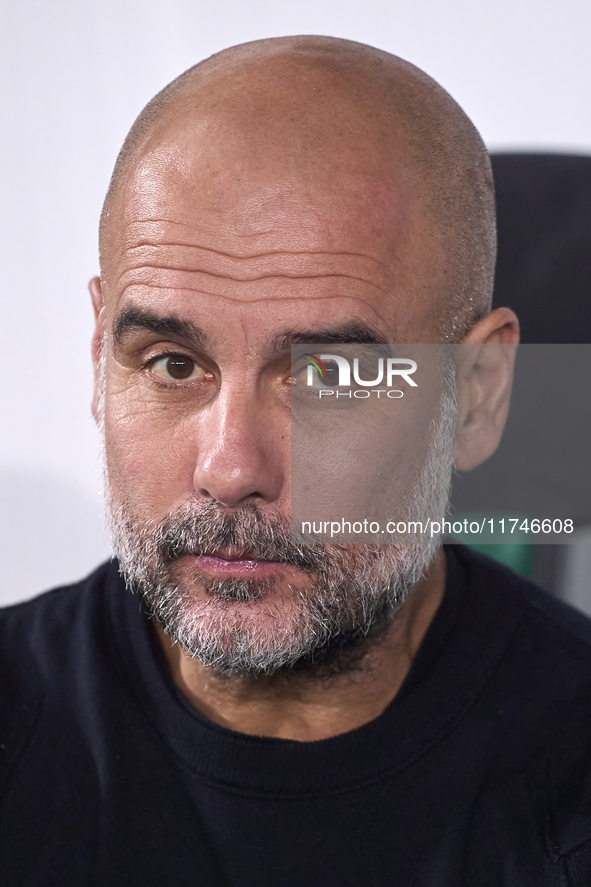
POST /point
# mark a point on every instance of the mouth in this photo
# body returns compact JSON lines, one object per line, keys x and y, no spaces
{"x":230,"y":563}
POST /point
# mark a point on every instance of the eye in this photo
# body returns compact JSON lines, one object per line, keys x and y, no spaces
{"x":178,"y":368}
{"x":331,"y":374}
{"x":318,"y":375}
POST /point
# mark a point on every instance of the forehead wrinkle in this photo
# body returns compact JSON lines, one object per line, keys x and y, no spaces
{"x":266,"y":301}
{"x":259,"y":255}
{"x":141,"y":259}
{"x":150,"y":254}
{"x":301,"y":237}
{"x":248,"y":288}
{"x":262,"y":299}
{"x":250,"y":279}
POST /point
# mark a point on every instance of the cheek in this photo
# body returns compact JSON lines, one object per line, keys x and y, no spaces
{"x":363,"y":462}
{"x":151,"y":456}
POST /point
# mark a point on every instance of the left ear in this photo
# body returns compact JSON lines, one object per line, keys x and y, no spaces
{"x":96,"y":346}
{"x":485,"y":378}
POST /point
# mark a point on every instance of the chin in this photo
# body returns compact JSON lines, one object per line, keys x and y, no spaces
{"x":243,"y":638}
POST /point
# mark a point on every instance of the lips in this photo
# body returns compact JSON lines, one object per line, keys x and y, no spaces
{"x":232,"y":563}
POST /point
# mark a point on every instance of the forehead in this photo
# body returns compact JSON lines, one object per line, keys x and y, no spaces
{"x":204,"y":220}
{"x":228,"y":188}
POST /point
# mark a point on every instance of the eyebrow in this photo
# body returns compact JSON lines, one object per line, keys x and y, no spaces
{"x":350,"y":333}
{"x":132,"y":318}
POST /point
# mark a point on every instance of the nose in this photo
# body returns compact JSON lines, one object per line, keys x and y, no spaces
{"x":243,"y":451}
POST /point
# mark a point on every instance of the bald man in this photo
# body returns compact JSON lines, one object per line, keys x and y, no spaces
{"x":266,"y":710}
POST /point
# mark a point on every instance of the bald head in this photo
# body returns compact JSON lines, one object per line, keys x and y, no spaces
{"x":345,"y":122}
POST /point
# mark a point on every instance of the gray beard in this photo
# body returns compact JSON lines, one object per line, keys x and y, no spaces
{"x":353,"y":593}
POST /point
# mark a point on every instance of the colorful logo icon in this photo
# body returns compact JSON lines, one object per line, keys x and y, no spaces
{"x":319,"y":366}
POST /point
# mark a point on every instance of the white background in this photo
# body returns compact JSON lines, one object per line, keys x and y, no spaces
{"x":74,"y":75}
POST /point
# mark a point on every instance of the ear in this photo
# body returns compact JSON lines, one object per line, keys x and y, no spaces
{"x":96,"y":346}
{"x":485,"y":379}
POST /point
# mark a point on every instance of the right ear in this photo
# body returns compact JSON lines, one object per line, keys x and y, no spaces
{"x":96,"y":348}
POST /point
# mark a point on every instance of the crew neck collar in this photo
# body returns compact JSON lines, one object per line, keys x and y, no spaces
{"x":458,"y":653}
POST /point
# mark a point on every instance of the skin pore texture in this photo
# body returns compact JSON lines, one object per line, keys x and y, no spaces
{"x":293,"y":187}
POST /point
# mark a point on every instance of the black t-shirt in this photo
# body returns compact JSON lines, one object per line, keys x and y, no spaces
{"x":478,"y":773}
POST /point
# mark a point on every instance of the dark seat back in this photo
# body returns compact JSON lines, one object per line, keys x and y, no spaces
{"x":544,"y":257}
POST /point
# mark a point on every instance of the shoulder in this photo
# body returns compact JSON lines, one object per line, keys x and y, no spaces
{"x":549,"y":623}
{"x":41,"y":655}
{"x":542,"y":684}
{"x":541,"y":669}
{"x":35,"y":631}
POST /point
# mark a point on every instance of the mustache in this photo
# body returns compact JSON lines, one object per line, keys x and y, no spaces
{"x":208,"y":528}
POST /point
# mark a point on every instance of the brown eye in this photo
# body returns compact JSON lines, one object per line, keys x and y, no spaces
{"x":179,"y":367}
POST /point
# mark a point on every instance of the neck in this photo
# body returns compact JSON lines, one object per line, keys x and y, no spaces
{"x":308,"y":706}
